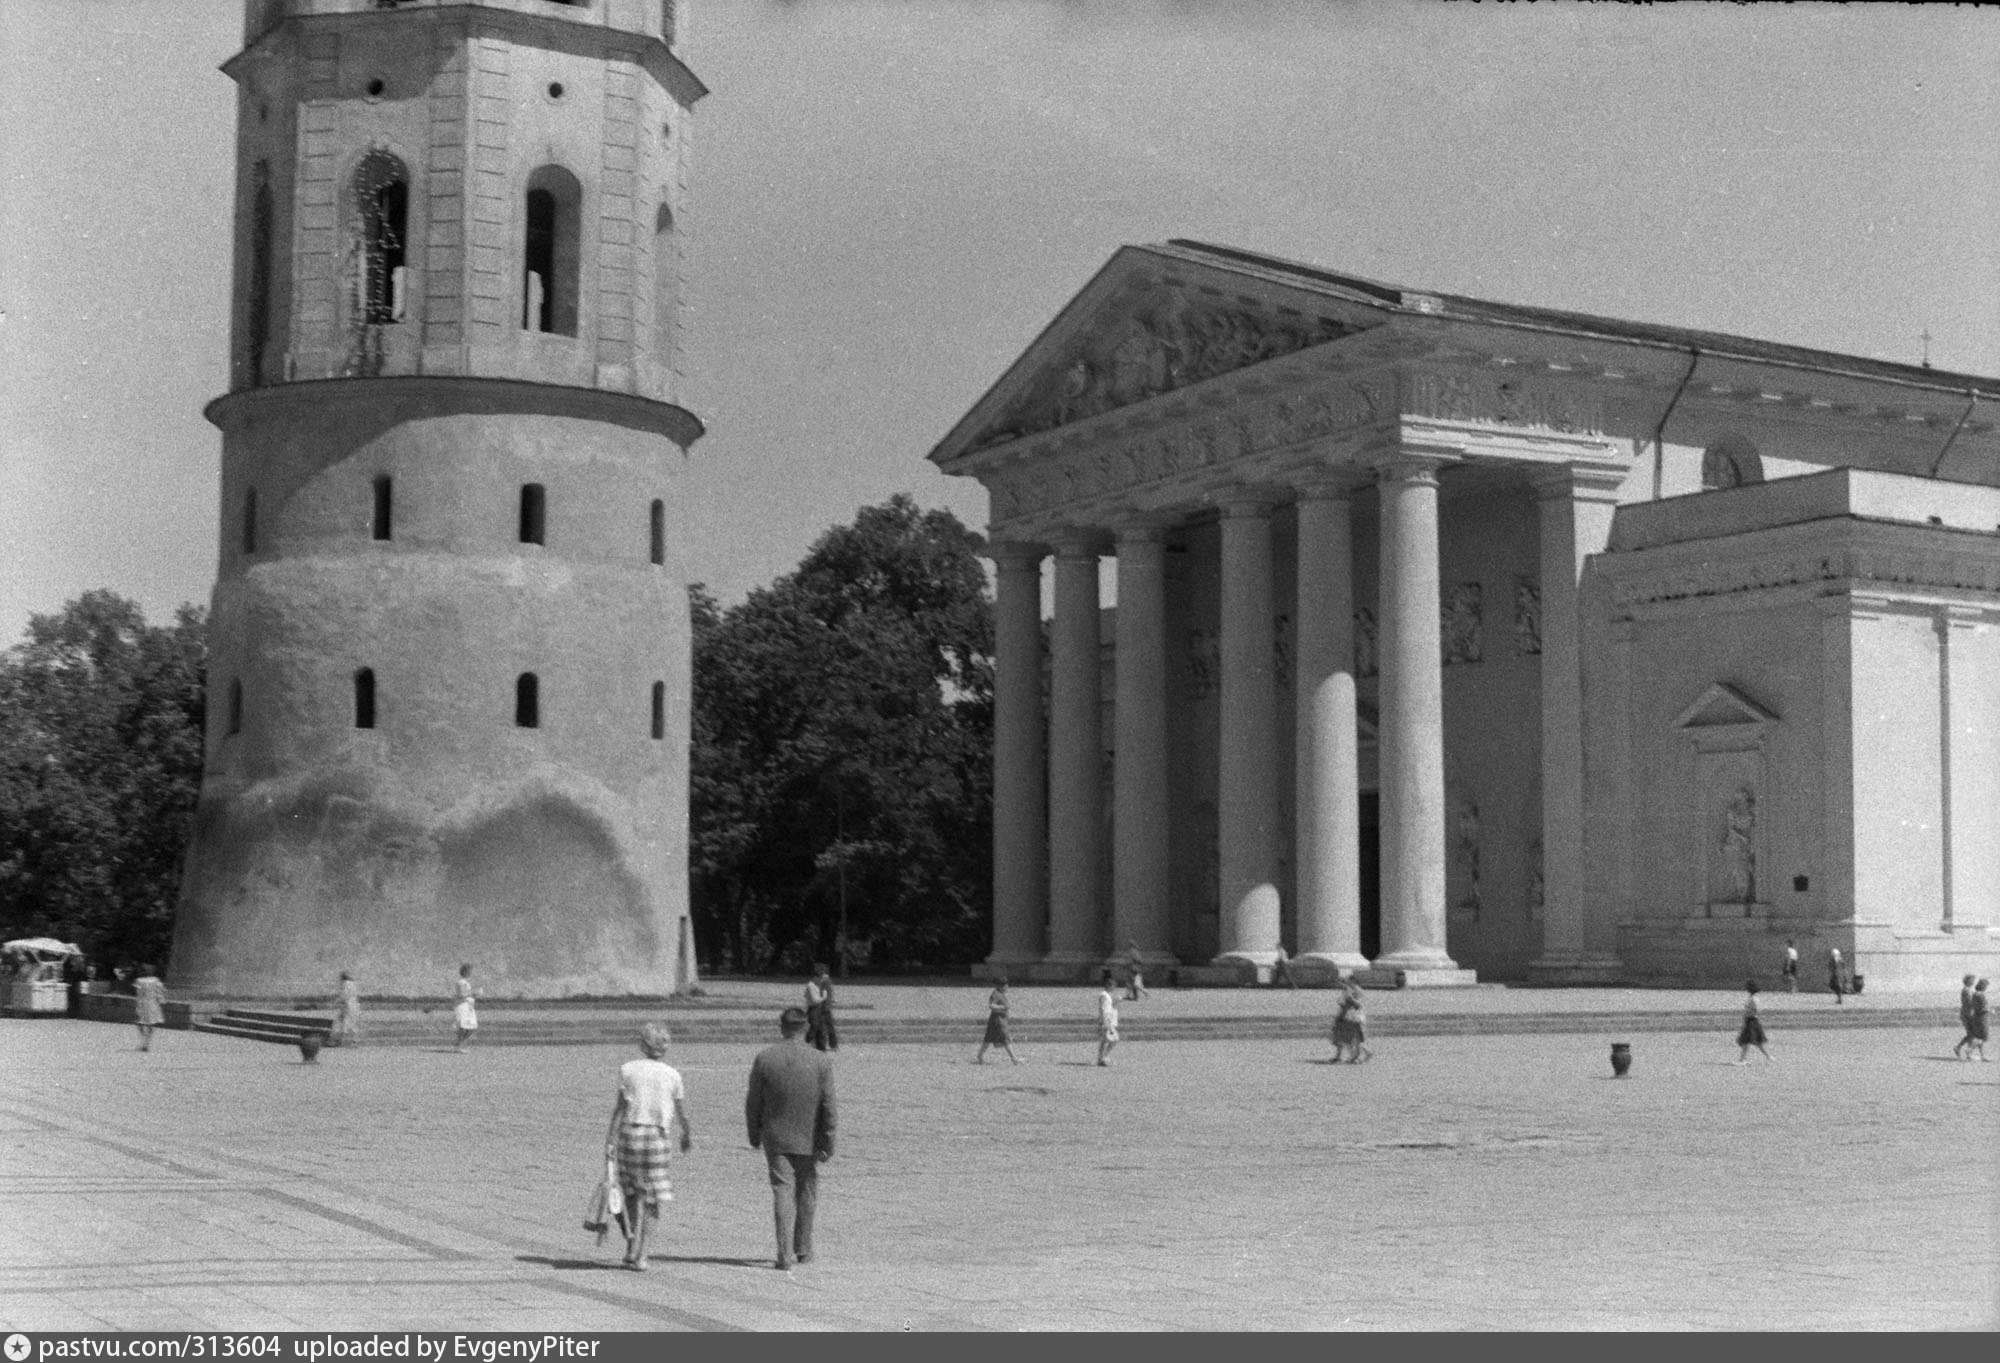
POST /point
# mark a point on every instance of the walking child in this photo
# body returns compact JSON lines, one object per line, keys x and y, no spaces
{"x":996,"y":1024}
{"x":1752,"y":1031}
{"x":346,"y":1029}
{"x":1107,"y":1019}
{"x":464,"y":1014}
{"x":1791,"y":966}
{"x":1835,"y":979}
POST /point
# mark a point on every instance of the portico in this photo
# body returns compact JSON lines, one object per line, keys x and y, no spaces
{"x":1339,"y":710}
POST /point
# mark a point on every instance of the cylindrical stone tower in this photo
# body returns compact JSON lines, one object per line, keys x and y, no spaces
{"x":448,"y":676}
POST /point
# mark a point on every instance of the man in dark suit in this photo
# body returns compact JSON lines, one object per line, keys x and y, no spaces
{"x":789,"y":1114}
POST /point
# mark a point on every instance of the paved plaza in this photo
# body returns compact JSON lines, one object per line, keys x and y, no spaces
{"x":1477,"y":1182}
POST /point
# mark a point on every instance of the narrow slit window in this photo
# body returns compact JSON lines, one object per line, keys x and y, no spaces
{"x":659,"y":709}
{"x":534,"y":514}
{"x":364,"y":698}
{"x":235,"y":705}
{"x":257,"y":324}
{"x":384,"y":507}
{"x":658,"y":528}
{"x":250,"y":520}
{"x":666,"y":278}
{"x":527,"y":702}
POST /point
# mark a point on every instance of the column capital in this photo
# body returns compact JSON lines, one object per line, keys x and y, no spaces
{"x":1244,"y":500}
{"x":1142,"y":527}
{"x":1577,"y":482}
{"x":1077,"y":541}
{"x":1327,"y":485}
{"x":1410,"y":469}
{"x":1015,"y":554}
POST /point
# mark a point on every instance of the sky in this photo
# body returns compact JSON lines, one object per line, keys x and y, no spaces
{"x":889,"y":200}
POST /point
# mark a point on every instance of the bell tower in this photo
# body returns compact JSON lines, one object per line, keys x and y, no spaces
{"x":449,"y":644}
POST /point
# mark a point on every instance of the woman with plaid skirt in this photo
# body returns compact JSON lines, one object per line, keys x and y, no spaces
{"x":651,"y":1099}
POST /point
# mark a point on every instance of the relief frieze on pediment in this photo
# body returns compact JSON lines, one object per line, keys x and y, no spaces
{"x":1453,"y":396}
{"x":1147,"y":354}
{"x":1064,"y":473}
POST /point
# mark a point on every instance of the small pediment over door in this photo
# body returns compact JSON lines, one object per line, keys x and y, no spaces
{"x":1723,"y":707}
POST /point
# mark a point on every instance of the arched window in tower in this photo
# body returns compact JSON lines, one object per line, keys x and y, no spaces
{"x":235,"y":705}
{"x":364,"y":698}
{"x":534,"y":508}
{"x":527,"y":701}
{"x":381,"y":223}
{"x":250,"y":520}
{"x":551,"y":263}
{"x":385,"y":491}
{"x":257,"y":319}
{"x":658,"y":528}
{"x":666,"y":278}
{"x":659,"y":709}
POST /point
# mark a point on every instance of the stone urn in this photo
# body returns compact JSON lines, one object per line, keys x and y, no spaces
{"x":309,"y":1044}
{"x":1621,"y":1059}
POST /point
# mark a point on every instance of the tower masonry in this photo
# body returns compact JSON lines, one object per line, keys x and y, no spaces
{"x":449,"y":649}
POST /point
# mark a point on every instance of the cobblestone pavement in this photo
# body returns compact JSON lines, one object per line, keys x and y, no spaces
{"x":1482,"y":1183}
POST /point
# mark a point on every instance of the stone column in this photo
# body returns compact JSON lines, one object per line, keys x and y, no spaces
{"x":1076,"y":757}
{"x":1576,"y":509}
{"x":1020,"y":758}
{"x":1411,"y":726}
{"x":1247,"y":804}
{"x":1139,"y":781}
{"x":1328,"y":838}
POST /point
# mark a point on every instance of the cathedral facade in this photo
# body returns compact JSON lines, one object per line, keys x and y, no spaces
{"x":449,"y":668}
{"x":1459,"y":640}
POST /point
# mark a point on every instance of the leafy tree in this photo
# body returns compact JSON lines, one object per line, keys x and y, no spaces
{"x":842,"y":738}
{"x":100,"y":765}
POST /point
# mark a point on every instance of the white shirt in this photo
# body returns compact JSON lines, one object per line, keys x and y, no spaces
{"x":1107,"y":1009}
{"x":650,"y":1089}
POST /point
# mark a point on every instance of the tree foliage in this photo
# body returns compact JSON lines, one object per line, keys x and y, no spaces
{"x":100,"y":765}
{"x":842,"y":738}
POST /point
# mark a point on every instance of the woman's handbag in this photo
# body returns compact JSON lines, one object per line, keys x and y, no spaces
{"x":607,"y":1204}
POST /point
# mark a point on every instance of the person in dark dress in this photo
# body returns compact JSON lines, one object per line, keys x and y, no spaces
{"x":996,"y":1024}
{"x":1977,"y":1030}
{"x":1751,"y":1033}
{"x":1963,"y":1048}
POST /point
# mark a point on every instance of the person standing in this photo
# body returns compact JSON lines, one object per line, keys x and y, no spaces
{"x":996,"y":1024}
{"x":819,"y":1010}
{"x":1976,"y":1030}
{"x":789,"y":1113}
{"x":464,"y":1013}
{"x":651,"y":1101}
{"x":1963,"y":1047}
{"x":1836,"y":980}
{"x":1791,"y":966}
{"x":1107,"y":1019}
{"x":149,"y":997}
{"x":346,"y":1030}
{"x":1751,"y":1033}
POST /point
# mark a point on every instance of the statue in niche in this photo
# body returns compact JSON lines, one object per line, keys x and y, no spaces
{"x":1467,"y":849}
{"x":1736,"y":857}
{"x":1462,"y":610}
{"x":1364,"y":642}
{"x":1527,"y":616}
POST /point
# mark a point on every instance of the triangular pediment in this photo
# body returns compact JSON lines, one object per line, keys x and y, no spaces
{"x":1155,"y":320}
{"x":1722,"y":705}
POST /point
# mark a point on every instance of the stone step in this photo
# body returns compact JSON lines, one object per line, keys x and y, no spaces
{"x":542,"y":1031}
{"x":282,"y":1029}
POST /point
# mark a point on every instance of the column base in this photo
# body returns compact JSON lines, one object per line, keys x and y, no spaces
{"x":1576,"y":967}
{"x":1148,"y":961}
{"x":1422,"y":970}
{"x":996,"y":965}
{"x":1261,"y":960}
{"x":1349,"y":961}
